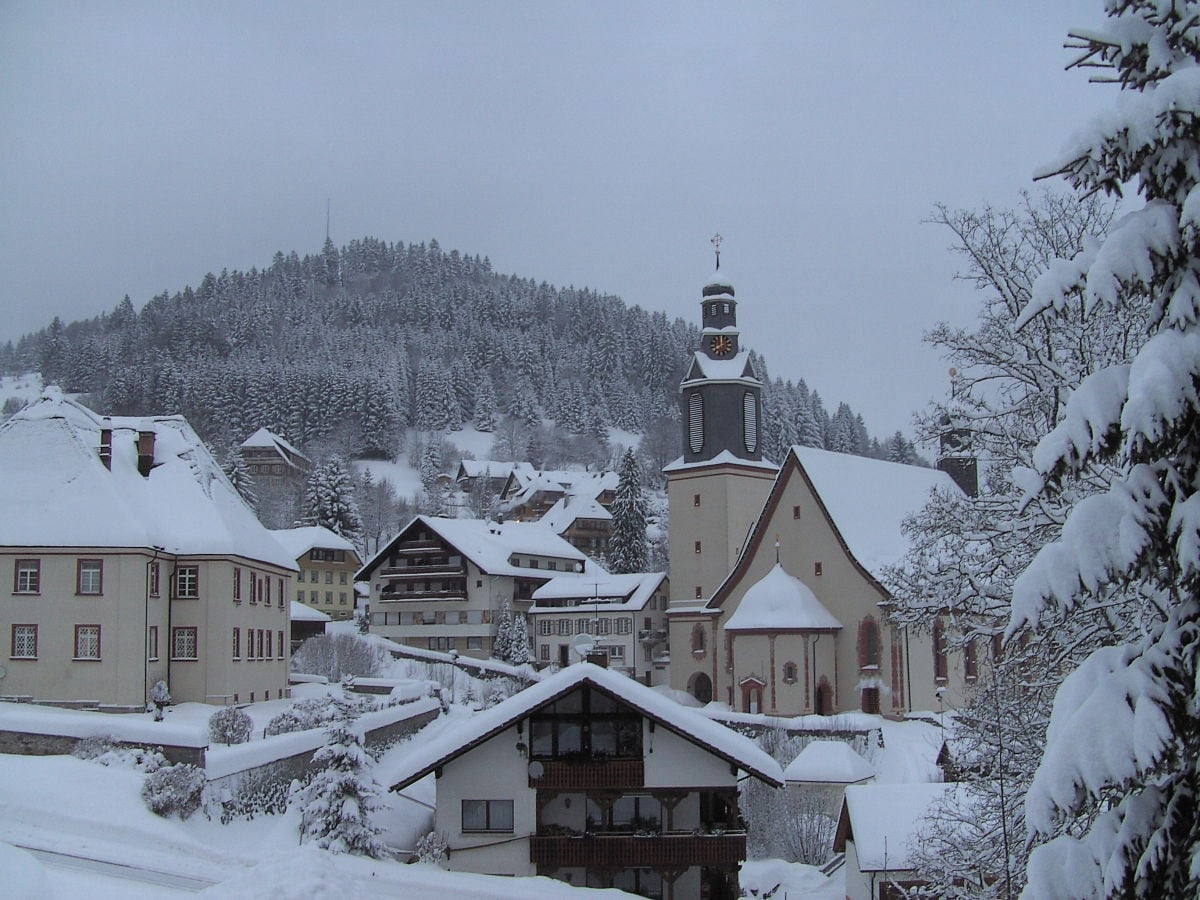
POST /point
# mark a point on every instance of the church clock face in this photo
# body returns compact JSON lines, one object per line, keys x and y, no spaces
{"x":721,"y":345}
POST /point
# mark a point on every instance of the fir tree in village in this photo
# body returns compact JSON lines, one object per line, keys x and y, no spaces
{"x":239,"y":476}
{"x":337,"y":805}
{"x":1139,"y":799}
{"x":329,"y":501}
{"x":503,"y":641}
{"x":627,"y":546}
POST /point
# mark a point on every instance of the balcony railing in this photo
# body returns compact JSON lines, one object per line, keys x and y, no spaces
{"x":423,"y":571}
{"x":410,"y":596}
{"x":590,"y":774}
{"x":419,"y":547}
{"x":675,"y":850}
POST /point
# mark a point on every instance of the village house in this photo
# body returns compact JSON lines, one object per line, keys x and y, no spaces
{"x":879,"y":831}
{"x":441,"y":583}
{"x":596,"y":780}
{"x":128,"y":558}
{"x":626,"y":614}
{"x":482,"y":475}
{"x":269,"y":458}
{"x":327,"y":564}
{"x":528,"y":493}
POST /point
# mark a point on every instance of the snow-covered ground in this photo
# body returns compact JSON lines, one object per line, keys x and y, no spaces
{"x":22,"y":388}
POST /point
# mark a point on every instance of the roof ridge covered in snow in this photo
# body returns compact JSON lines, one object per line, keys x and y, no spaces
{"x":69,"y":496}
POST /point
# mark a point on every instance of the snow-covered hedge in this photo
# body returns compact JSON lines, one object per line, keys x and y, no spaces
{"x":174,"y":790}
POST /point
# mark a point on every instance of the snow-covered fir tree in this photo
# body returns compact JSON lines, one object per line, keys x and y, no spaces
{"x":1123,"y":745}
{"x":519,"y":651}
{"x":627,"y":546}
{"x":337,"y":805}
{"x":329,"y":501}
{"x":502,"y":643}
{"x":967,"y":551}
{"x":485,"y":405}
{"x":239,"y":476}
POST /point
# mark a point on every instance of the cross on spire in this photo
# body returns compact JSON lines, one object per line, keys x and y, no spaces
{"x":715,"y":240}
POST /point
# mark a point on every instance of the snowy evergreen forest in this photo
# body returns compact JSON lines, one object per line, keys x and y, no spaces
{"x":352,"y":345}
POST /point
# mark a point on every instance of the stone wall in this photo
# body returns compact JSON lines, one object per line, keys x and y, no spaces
{"x":23,"y":743}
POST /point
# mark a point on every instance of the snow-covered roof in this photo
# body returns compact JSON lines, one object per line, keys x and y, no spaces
{"x":718,"y":279}
{"x":298,"y":541}
{"x":266,"y":438}
{"x":724,"y":457}
{"x":885,"y":819}
{"x":302,"y":613}
{"x":868,"y":499}
{"x":490,"y":545}
{"x":780,"y":602}
{"x":830,"y":762}
{"x":566,"y":510}
{"x":577,"y":483}
{"x":738,"y":367}
{"x":484,"y":468}
{"x":631,"y":591}
{"x":685,"y":722}
{"x":67,"y":497}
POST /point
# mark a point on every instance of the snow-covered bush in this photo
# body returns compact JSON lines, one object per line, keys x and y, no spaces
{"x":433,"y":848}
{"x":106,"y":751}
{"x":337,"y":656}
{"x":229,"y":726}
{"x":174,"y":790}
{"x":316,"y":713}
{"x":336,"y":805}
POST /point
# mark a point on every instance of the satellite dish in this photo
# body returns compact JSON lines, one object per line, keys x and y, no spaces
{"x":583,"y":644}
{"x":536,"y":770}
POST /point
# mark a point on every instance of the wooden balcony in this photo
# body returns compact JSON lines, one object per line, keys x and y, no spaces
{"x":420,"y":547}
{"x":723,"y":851}
{"x":582,"y":775}
{"x":424,"y":571}
{"x":415,"y":596}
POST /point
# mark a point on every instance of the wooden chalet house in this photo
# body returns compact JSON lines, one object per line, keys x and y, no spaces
{"x":598,"y":781}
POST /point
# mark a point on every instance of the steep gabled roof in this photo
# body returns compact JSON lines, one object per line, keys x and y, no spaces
{"x":738,"y":367}
{"x":267,"y":438}
{"x":60,"y":494}
{"x":687,"y":723}
{"x":884,"y":821}
{"x":489,"y":545}
{"x":298,"y":541}
{"x":634,"y":589}
{"x":864,"y":502}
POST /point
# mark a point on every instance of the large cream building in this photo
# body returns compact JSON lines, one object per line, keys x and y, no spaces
{"x":126,"y":557}
{"x":778,"y":604}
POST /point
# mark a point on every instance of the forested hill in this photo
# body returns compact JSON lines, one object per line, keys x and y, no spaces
{"x":373,"y":337}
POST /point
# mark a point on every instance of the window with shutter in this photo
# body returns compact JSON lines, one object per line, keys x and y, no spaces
{"x":750,"y":421}
{"x":696,"y":422}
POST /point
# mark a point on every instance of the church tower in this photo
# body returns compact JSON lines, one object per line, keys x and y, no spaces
{"x":717,"y":489}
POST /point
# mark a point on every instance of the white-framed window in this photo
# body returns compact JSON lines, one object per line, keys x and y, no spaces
{"x":617,"y":651}
{"x":564,"y":626}
{"x":545,"y":626}
{"x":312,"y":596}
{"x":187,"y":582}
{"x":474,"y":643}
{"x":89,"y":576}
{"x":624,"y":625}
{"x":152,"y":643}
{"x":153,"y":579}
{"x":237,"y":643}
{"x":487,"y":815}
{"x":24,"y":642}
{"x":237,"y":585}
{"x":183,"y":642}
{"x":342,"y":578}
{"x":329,"y":577}
{"x":27,"y":578}
{"x":87,"y":642}
{"x":279,"y":648}
{"x":544,"y":652}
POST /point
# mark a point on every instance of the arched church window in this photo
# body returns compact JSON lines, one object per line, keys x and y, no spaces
{"x":789,"y":673}
{"x":698,"y":639}
{"x":696,"y":422}
{"x":939,"y":651}
{"x":868,"y":644}
{"x":750,"y":420}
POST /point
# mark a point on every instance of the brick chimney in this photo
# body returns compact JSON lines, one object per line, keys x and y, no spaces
{"x":955,"y":457}
{"x":145,"y":449}
{"x":597,"y":658}
{"x":106,"y":448}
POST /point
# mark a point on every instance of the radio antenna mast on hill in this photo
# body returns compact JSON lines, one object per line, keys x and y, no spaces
{"x":327,"y":218}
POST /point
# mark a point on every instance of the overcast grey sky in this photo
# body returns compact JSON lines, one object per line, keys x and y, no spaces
{"x":597,"y":144}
